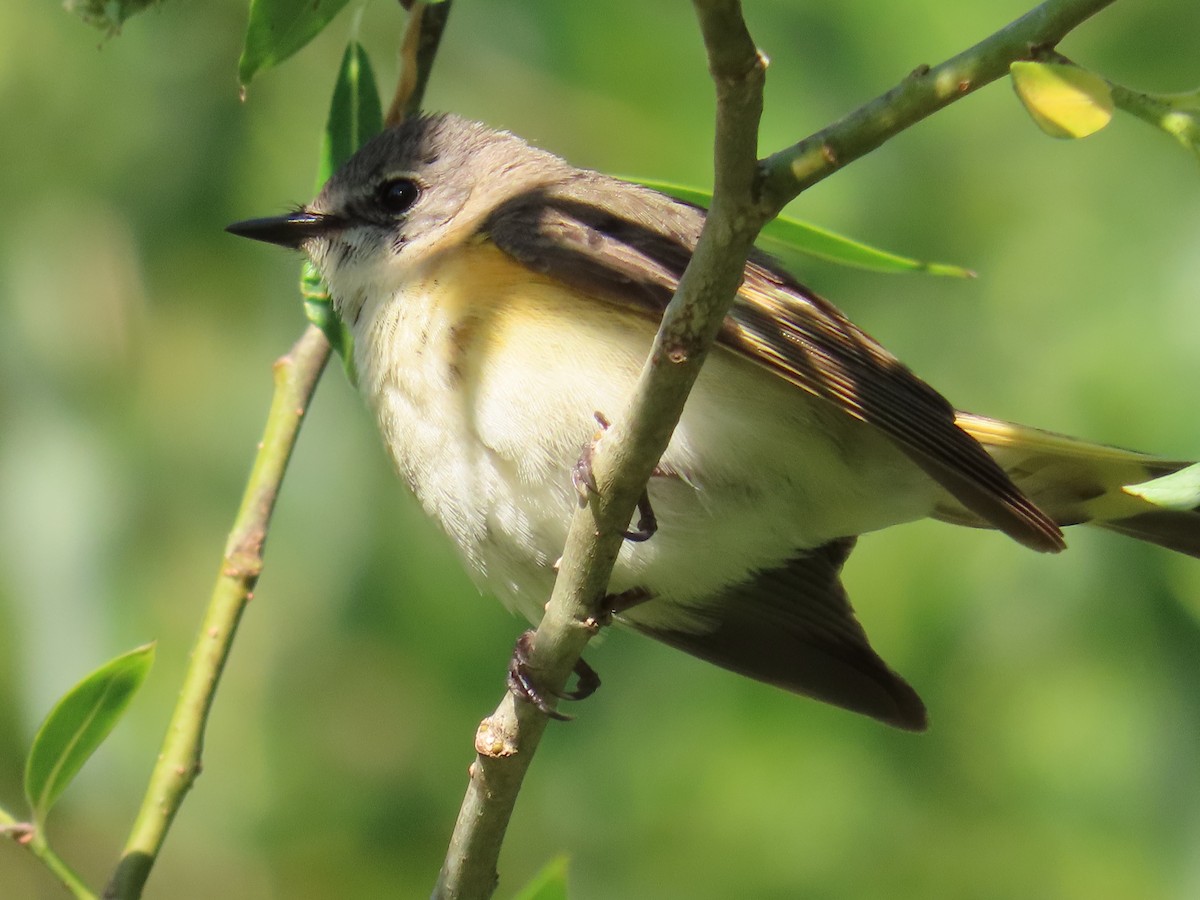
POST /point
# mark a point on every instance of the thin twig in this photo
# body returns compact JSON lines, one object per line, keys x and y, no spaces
{"x":746,"y":196}
{"x":922,"y":93}
{"x":296,"y":376}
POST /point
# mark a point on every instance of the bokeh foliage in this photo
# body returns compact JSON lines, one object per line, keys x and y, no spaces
{"x":135,"y":374}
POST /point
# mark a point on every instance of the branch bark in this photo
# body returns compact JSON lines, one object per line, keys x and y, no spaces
{"x":626,"y":456}
{"x":747,"y":194}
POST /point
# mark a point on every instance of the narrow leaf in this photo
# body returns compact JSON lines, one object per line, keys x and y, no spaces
{"x":1064,"y":101}
{"x":1179,"y":490}
{"x":278,"y":28}
{"x":78,"y":724}
{"x":786,"y":238}
{"x":355,"y":115}
{"x":548,"y":884}
{"x":789,"y":238}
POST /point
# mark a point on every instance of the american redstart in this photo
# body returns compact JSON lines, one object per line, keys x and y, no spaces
{"x":499,"y":298}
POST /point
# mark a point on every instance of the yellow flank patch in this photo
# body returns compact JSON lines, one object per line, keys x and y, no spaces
{"x":478,"y":274}
{"x":499,"y":301}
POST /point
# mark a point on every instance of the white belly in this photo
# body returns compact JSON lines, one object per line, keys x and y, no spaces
{"x":485,"y":402}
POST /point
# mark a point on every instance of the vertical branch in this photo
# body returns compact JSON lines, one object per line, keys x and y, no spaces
{"x":625,"y":457}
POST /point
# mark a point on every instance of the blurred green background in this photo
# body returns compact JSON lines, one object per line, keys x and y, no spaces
{"x":1064,"y":755}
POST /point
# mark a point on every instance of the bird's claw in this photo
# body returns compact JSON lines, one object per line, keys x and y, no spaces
{"x":584,"y":480}
{"x":522,"y":686}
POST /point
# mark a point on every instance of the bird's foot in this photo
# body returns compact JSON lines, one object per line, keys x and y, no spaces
{"x":522,"y":685}
{"x":584,"y":481}
{"x":614,"y":605}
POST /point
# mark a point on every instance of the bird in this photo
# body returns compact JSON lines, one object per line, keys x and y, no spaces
{"x":500,"y":298}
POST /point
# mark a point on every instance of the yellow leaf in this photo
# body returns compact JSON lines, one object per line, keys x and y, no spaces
{"x":1064,"y":101}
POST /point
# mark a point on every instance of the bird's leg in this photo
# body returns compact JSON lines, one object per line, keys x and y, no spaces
{"x":585,"y":485}
{"x":522,"y":686}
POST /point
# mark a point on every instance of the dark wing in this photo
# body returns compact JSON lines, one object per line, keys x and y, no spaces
{"x":567,"y":232}
{"x":793,"y":627}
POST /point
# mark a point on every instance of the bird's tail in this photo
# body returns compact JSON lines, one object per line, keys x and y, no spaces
{"x":1074,"y":482}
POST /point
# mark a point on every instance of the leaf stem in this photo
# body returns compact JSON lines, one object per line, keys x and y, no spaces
{"x":29,"y":837}
{"x":64,"y":873}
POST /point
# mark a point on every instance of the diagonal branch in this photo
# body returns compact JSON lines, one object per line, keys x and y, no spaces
{"x":926,"y":90}
{"x":296,"y":376}
{"x":625,"y":458}
{"x":27,"y":835}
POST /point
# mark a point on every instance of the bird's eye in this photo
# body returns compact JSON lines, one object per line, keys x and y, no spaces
{"x":397,"y":195}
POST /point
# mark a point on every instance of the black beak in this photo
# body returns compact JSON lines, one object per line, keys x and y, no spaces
{"x":291,"y":230}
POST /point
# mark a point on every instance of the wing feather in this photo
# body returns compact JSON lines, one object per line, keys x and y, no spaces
{"x":793,"y":627}
{"x":568,"y":232}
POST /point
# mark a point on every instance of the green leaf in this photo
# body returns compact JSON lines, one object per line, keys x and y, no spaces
{"x":789,"y":238}
{"x":548,"y":884}
{"x":1179,"y":490}
{"x":78,"y":724}
{"x":786,"y":238}
{"x":278,"y":28}
{"x":355,"y":115}
{"x":1064,"y":101}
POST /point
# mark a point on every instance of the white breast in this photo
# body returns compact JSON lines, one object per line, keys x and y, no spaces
{"x":485,"y":401}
